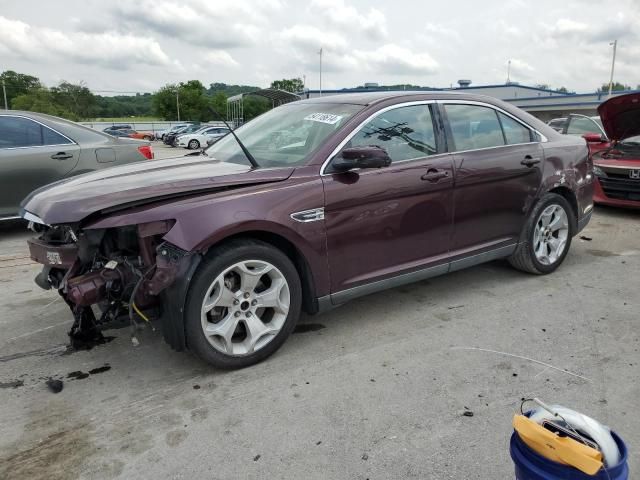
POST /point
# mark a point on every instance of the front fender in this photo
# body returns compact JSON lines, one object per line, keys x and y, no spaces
{"x":204,"y":220}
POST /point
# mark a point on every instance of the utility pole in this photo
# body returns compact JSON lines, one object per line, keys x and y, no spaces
{"x":613,"y":63}
{"x":4,"y":93}
{"x":320,"y":53}
{"x":178,"y":102}
{"x":508,"y":72}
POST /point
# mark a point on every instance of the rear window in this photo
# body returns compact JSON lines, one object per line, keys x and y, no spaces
{"x":474,"y":126}
{"x":20,"y":132}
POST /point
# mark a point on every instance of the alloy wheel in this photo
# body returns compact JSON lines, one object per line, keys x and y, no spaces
{"x":245,"y":307}
{"x":550,"y":234}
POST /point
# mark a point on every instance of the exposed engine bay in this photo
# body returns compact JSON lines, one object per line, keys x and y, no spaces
{"x":107,"y":275}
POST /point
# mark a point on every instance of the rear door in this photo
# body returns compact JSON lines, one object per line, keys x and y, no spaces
{"x":387,"y":221}
{"x":498,"y":162}
{"x":31,"y":155}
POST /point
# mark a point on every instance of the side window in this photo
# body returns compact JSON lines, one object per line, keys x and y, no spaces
{"x":49,"y":137}
{"x":582,"y":125}
{"x":514,"y":132}
{"x":474,"y":126}
{"x":404,"y":132}
{"x":19,"y":132}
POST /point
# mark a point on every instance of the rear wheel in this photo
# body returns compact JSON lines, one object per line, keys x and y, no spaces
{"x":546,"y":237}
{"x":147,"y":137}
{"x":243,"y":303}
{"x":193,"y":144}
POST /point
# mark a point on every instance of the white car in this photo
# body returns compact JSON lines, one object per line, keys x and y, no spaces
{"x":198,"y":139}
{"x":161,"y":133}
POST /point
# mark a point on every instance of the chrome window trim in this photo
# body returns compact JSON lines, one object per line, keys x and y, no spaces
{"x":363,"y":123}
{"x":543,"y":138}
{"x":71,"y":142}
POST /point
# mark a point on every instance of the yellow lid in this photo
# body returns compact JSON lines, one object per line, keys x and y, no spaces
{"x":559,"y":449}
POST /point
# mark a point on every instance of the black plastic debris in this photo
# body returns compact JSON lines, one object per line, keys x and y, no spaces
{"x":77,"y":375}
{"x":55,"y":385}
{"x":588,"y":239}
{"x":12,"y":384}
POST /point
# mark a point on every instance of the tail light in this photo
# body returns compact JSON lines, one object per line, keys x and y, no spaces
{"x":146,"y":151}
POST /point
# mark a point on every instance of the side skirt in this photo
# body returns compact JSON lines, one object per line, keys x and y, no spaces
{"x":329,"y":301}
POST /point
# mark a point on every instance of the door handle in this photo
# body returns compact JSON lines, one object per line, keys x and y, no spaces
{"x":61,"y":156}
{"x":434,"y":175}
{"x":529,"y":161}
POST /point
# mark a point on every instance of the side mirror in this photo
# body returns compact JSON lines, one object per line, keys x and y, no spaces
{"x":371,"y":156}
{"x":594,"y":138}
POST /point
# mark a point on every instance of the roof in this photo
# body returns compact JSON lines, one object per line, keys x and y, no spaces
{"x":368,"y":98}
{"x":273,"y":94}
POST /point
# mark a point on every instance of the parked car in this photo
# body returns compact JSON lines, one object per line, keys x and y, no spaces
{"x":118,"y":127}
{"x":557,"y":124}
{"x":127,"y":132}
{"x":616,"y":152}
{"x":169,"y":138}
{"x":118,"y":132}
{"x":225,"y":249}
{"x":37,"y":149}
{"x":201,"y":138}
{"x":160,"y":134}
{"x":577,"y":124}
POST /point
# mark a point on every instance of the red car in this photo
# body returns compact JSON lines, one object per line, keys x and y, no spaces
{"x":617,"y":158}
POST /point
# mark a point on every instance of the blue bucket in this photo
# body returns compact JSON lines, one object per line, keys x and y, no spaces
{"x":532,"y":466}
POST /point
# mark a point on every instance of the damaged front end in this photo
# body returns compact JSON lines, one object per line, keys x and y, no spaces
{"x":113,"y":276}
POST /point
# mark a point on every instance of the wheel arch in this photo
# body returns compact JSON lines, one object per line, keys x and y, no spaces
{"x":285,"y":245}
{"x":570,"y":197}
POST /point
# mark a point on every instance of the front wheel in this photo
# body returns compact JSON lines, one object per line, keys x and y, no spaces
{"x":242,"y":304}
{"x":546,"y":237}
{"x":193,"y":144}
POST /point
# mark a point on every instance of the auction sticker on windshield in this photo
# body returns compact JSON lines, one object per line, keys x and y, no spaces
{"x":328,"y":118}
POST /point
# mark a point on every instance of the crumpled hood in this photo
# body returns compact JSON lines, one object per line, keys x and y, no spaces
{"x":620,"y":116}
{"x":72,"y":199}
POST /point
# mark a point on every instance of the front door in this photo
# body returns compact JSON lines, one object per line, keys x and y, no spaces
{"x":384,"y":222}
{"x":498,"y":164}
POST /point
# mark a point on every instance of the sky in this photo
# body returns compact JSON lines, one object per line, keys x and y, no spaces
{"x":139,"y":46}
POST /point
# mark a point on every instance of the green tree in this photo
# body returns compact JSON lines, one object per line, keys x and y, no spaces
{"x":617,"y":86}
{"x":41,"y":100}
{"x":191,"y":97}
{"x":562,"y":90}
{"x":543,"y":86}
{"x":293,"y":85}
{"x":76,"y":99}
{"x":17,"y":84}
{"x":254,"y":106}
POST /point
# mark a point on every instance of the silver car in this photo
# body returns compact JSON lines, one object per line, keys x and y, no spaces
{"x":37,"y":149}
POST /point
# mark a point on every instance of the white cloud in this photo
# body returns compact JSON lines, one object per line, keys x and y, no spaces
{"x":395,"y":60}
{"x":338,"y":14}
{"x":310,"y":37}
{"x":220,"y":58}
{"x":204,"y":23}
{"x":521,"y":68}
{"x":106,"y":49}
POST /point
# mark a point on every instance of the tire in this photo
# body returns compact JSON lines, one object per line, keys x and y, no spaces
{"x":234,"y":338}
{"x":147,"y":138}
{"x":193,"y":144}
{"x":537,"y":239}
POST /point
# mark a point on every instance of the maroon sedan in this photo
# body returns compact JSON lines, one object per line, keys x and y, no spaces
{"x":312,"y":204}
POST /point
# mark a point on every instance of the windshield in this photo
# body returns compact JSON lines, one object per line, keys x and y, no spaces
{"x":284,"y":136}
